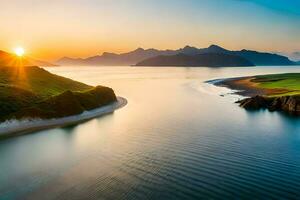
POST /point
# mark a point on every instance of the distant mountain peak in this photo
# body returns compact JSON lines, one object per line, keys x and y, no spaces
{"x":188,"y":47}
{"x":139,"y":49}
{"x":109,"y":54}
{"x":188,"y":50}
{"x":214,"y":46}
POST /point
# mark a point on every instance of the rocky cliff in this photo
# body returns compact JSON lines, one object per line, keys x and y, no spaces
{"x":287,"y":104}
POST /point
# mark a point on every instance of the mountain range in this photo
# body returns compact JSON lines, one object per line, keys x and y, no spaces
{"x":140,"y":54}
{"x":8,"y":59}
{"x":205,"y":59}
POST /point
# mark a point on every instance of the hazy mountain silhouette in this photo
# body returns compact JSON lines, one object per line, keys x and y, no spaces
{"x":138,"y":55}
{"x":295,"y":55}
{"x":204,"y":59}
{"x":259,"y":58}
{"x":8,"y":59}
{"x":112,"y":59}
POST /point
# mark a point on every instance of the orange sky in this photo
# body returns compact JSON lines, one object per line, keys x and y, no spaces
{"x":76,"y":28}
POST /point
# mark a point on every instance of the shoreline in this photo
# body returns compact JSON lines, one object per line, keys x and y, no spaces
{"x":244,"y":86}
{"x":260,"y":98}
{"x":239,"y":85}
{"x":15,"y":128}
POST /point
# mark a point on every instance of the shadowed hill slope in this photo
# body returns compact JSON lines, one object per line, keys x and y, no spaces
{"x":36,"y":93}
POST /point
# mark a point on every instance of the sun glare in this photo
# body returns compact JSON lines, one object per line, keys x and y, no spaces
{"x":19,"y":51}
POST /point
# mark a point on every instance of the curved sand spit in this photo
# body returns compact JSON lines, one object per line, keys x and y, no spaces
{"x":16,"y":127}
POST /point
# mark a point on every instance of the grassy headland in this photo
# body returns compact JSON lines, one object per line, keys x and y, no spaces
{"x":275,"y":91}
{"x":32,"y":92}
{"x":285,"y":84}
{"x":268,"y":85}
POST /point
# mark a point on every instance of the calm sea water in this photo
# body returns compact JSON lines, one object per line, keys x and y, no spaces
{"x":176,"y":139}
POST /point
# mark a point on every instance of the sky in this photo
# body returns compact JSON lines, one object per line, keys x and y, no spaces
{"x":81,"y":28}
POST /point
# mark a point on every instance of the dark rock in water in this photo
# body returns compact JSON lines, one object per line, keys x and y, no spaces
{"x":291,"y":104}
{"x":288,"y":104}
{"x":254,"y":103}
{"x":275,"y":105}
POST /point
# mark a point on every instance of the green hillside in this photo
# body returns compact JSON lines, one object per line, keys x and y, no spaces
{"x":39,"y":81}
{"x":35,"y":92}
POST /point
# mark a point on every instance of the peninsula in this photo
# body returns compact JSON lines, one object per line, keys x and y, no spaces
{"x":275,"y":92}
{"x":32,"y":93}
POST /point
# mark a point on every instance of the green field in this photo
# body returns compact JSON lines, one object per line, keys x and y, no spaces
{"x":289,"y":82}
{"x":35,"y":92}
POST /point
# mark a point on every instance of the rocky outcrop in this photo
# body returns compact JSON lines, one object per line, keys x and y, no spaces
{"x":255,"y":103}
{"x":287,"y":104}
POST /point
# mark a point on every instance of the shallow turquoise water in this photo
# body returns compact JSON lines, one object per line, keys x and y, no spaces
{"x":176,"y":139}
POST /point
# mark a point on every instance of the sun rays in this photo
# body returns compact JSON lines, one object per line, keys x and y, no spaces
{"x":19,"y":51}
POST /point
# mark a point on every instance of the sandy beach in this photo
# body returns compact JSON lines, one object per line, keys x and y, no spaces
{"x":244,"y":86}
{"x":16,"y":127}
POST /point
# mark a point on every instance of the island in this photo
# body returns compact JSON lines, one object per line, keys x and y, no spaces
{"x":206,"y":60}
{"x":275,"y":92}
{"x":29,"y":96}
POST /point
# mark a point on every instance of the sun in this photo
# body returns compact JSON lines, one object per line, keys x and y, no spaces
{"x":19,"y":51}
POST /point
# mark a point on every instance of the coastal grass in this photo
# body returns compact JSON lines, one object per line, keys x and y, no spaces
{"x":33,"y":92}
{"x":38,"y":81}
{"x":275,"y":92}
{"x":289,"y":83}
